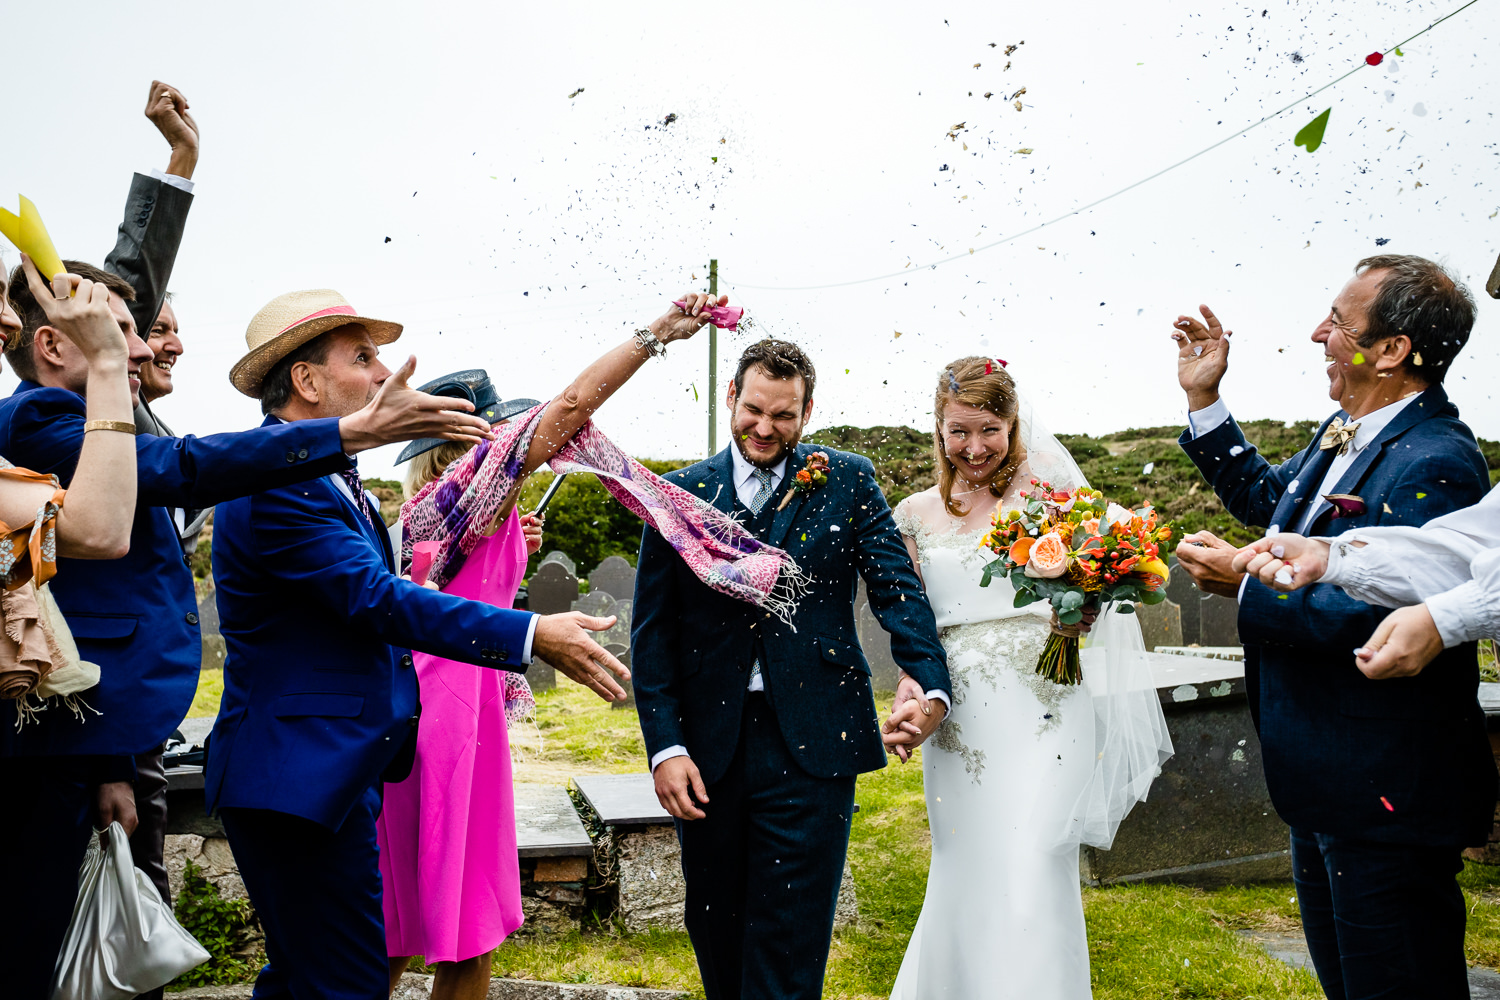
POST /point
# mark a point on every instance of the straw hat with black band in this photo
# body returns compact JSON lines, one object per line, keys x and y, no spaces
{"x":474,"y":385}
{"x":291,"y":320}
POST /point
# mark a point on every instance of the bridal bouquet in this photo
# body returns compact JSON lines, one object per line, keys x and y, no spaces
{"x":1076,"y":549}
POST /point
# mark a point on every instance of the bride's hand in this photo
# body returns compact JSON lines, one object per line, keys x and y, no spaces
{"x":913,"y":718}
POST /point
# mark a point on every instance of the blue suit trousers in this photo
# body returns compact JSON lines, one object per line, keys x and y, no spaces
{"x":317,"y":893}
{"x":1382,"y":920}
{"x":763,"y":869}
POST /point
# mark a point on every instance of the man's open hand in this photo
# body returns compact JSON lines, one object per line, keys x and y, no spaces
{"x":1402,"y":645}
{"x":1202,"y":357}
{"x":562,"y":641}
{"x":679,"y":787}
{"x":168,"y":111}
{"x":400,"y":413}
{"x":1209,"y":560}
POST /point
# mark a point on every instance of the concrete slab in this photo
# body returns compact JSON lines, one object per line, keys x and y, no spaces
{"x":623,"y":799}
{"x":1290,"y":947}
{"x":1207,"y":652}
{"x":547,"y":826}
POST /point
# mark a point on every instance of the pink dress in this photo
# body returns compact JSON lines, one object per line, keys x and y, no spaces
{"x":447,"y":834}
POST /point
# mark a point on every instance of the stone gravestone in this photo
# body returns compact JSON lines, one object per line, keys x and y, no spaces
{"x":1182,"y":592}
{"x":876,"y":643}
{"x":551,"y":591}
{"x":615,"y":577}
{"x":1161,"y":624}
{"x":615,"y":639}
{"x":560,"y":557}
{"x":208,"y":627}
{"x":1220,"y":621}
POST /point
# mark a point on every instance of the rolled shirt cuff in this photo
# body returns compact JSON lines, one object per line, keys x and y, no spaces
{"x":1200,"y":422}
{"x":180,"y":183}
{"x":530,"y":634}
{"x":1460,"y":614}
{"x":668,"y":754}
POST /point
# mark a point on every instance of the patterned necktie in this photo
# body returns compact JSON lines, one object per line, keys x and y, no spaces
{"x":763,"y":492}
{"x":357,"y":487}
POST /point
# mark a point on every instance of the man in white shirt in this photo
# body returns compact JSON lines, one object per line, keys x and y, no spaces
{"x":1382,"y":782}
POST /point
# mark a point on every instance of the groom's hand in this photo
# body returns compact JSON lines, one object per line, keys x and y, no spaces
{"x":1208,"y":559}
{"x":678,"y":783}
{"x":1284,"y":562}
{"x":914,"y":718}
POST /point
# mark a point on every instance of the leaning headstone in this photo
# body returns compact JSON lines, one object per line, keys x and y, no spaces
{"x":596,"y":603}
{"x":1220,"y":617}
{"x":551,"y":590}
{"x":1185,"y":594}
{"x":560,"y":557}
{"x":621,"y":652}
{"x":876,"y":643}
{"x":1161,"y":624}
{"x":615,"y":577}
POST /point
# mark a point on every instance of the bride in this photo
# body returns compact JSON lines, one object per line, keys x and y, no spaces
{"x":1022,"y":770}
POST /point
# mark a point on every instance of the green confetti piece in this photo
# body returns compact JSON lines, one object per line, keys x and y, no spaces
{"x":1421,"y":496}
{"x":1399,"y":52}
{"x":1282,"y":597}
{"x":716,"y":159}
{"x":1359,"y":358}
{"x":1311,"y":135}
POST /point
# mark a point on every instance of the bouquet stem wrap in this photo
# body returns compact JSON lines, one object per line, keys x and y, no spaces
{"x":455,"y":510}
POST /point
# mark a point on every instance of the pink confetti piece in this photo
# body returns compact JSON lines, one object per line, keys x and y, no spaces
{"x":422,"y":554}
{"x":1387,"y":803}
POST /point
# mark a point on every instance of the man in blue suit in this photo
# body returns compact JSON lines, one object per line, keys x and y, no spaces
{"x":136,"y":617}
{"x":756,"y":727}
{"x":320,"y":697}
{"x":1383,"y":782}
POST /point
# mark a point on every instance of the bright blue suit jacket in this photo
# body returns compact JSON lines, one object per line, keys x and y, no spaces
{"x":692,"y":647}
{"x":320,"y":696}
{"x":1337,"y":745}
{"x":137,"y":617}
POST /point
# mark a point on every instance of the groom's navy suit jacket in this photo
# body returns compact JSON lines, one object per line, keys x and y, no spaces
{"x":1404,"y":760}
{"x":692,"y":647}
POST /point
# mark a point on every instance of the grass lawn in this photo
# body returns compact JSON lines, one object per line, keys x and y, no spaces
{"x":1144,"y":941}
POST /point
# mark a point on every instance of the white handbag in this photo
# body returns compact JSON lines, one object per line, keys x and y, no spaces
{"x":123,"y":940}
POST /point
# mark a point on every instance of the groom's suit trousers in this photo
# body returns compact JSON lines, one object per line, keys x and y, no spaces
{"x":763,"y":869}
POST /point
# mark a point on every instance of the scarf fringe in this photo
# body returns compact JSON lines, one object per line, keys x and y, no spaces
{"x":31,"y":705}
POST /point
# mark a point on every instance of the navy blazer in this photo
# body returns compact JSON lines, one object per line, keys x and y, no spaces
{"x":137,"y":617}
{"x":692,"y":647}
{"x":1404,"y":760}
{"x":320,"y":697}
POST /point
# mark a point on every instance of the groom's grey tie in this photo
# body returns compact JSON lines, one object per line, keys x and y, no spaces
{"x":762,"y":492}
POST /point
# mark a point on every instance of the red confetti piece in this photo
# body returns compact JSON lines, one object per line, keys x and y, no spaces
{"x":1375,"y":58}
{"x":1387,"y":803}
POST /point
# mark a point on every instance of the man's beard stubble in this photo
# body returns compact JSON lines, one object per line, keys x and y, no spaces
{"x":787,"y":447}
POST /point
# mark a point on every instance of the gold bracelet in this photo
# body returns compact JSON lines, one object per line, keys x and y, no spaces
{"x":123,"y":426}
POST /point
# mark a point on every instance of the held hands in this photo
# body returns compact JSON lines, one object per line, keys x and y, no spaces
{"x":1402,"y":645}
{"x":1202,"y":357}
{"x":400,"y":413}
{"x":680,"y":324}
{"x":84,"y":318}
{"x":679,"y":788}
{"x":168,"y":111}
{"x":1284,"y":562}
{"x":531,"y":528}
{"x":562,"y":642}
{"x":1209,"y":560}
{"x":913,"y":718}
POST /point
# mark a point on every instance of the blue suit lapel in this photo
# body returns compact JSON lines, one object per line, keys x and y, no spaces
{"x":786,"y":515}
{"x":718,"y":482}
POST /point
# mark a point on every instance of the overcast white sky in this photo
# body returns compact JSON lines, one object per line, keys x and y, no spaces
{"x":529,"y":230}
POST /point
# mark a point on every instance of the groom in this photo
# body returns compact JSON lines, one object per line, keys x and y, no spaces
{"x":755,"y":728}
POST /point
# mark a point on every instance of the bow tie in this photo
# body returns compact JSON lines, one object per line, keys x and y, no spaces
{"x":1338,"y":435}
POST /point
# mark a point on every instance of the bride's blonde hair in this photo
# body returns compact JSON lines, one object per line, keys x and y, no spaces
{"x":981,"y":382}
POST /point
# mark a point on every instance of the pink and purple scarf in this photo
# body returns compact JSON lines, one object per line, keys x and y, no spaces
{"x":455,"y":510}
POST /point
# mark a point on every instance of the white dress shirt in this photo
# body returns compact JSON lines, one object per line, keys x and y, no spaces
{"x":181,"y":183}
{"x":1200,"y":422}
{"x":1451,"y":563}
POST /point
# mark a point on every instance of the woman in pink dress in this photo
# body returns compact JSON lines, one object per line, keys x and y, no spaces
{"x":451,"y":877}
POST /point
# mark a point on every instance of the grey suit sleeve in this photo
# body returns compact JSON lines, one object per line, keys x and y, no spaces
{"x":155,"y":216}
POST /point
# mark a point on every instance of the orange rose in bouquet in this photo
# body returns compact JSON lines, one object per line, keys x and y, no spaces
{"x":1077,"y":549}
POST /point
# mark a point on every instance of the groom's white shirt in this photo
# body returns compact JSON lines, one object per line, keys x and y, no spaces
{"x":745,"y":487}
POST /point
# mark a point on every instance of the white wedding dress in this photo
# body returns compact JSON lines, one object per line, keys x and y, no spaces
{"x":1003,"y":915}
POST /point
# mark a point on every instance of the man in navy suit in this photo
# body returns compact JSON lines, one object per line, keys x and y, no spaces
{"x":320,"y":697}
{"x":136,"y":617}
{"x":756,"y":727}
{"x":1383,"y":782}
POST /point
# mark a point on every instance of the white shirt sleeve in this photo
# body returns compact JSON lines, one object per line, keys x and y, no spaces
{"x":1200,"y":422}
{"x":530,"y":635}
{"x":181,"y":183}
{"x":942,"y":696}
{"x":668,"y":754}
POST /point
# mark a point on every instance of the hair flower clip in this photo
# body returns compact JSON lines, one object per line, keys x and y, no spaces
{"x":811,"y":476}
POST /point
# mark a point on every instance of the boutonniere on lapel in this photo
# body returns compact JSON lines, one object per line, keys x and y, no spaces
{"x":811,"y":476}
{"x":1345,"y":504}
